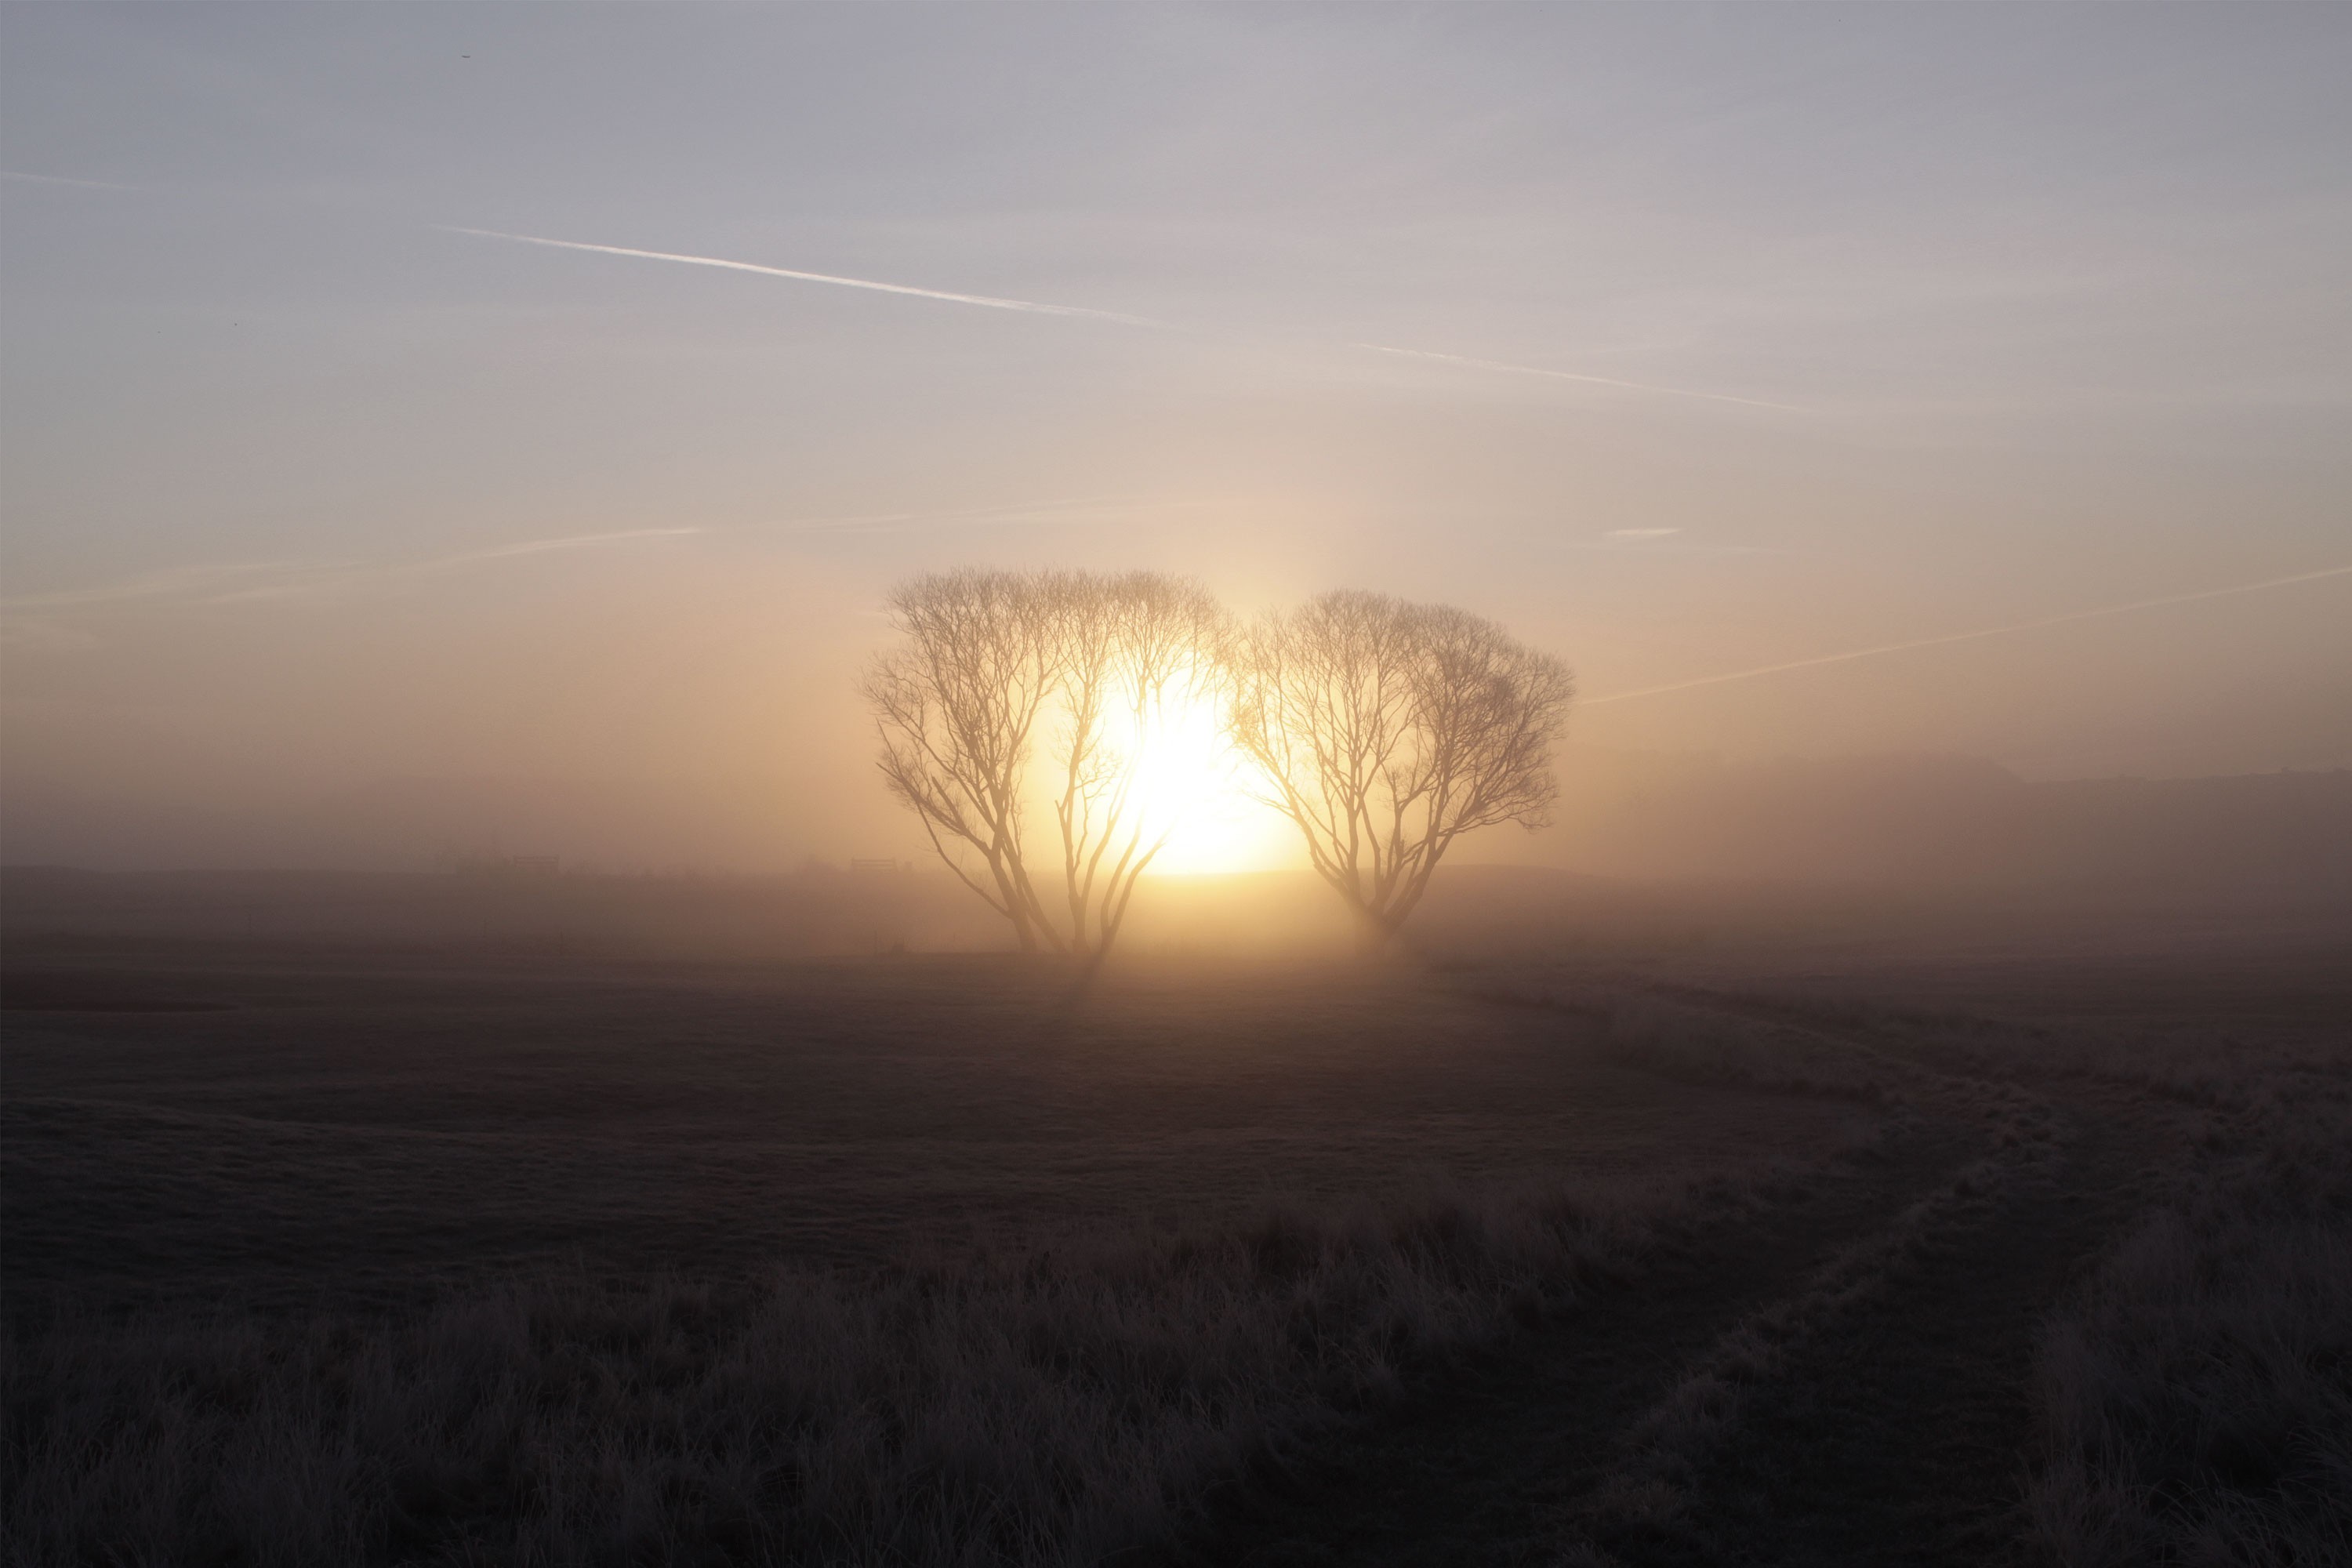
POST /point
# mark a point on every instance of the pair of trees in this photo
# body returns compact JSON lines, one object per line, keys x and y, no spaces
{"x":1383,"y":730}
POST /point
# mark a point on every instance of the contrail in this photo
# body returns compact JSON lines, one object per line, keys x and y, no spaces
{"x":542,"y":546}
{"x":993,"y":302}
{"x":177,"y":582}
{"x":63,"y":180}
{"x":289,"y":579}
{"x":1508,"y":369}
{"x":1013,"y":513}
{"x":319,"y":578}
{"x":282,"y":579}
{"x":1972,"y":636}
{"x":1037,"y":307}
{"x":1031,"y":307}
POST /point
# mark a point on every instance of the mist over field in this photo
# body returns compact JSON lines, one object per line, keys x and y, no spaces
{"x":985,"y":786}
{"x":1929,"y":820}
{"x":345,"y":532}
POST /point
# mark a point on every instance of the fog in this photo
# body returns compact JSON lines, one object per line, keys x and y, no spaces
{"x":337,"y":539}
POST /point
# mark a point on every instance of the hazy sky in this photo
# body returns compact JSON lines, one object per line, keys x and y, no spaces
{"x":1684,"y":342}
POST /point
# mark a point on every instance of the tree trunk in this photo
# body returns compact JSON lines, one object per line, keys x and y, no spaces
{"x":1375,"y":930}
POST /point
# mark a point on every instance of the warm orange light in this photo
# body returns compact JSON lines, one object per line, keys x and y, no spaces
{"x":1189,"y":783}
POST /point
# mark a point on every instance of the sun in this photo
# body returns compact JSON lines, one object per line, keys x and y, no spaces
{"x":1189,"y":784}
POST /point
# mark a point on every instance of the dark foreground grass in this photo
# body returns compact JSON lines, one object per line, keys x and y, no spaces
{"x":2197,"y":1398}
{"x":1043,"y":1407}
{"x":1056,"y":1404}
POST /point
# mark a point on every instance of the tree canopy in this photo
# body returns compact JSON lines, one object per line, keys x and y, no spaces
{"x":1386,"y":730}
{"x":1383,"y":730}
{"x":995,"y":665}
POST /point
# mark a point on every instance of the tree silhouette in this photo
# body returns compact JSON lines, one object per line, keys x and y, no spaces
{"x":995,"y":663}
{"x":956,"y":706}
{"x":1386,"y":730}
{"x":1135,"y":648}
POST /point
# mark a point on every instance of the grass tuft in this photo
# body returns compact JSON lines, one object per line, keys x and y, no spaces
{"x":2196,"y":1397}
{"x":1046,"y":1406}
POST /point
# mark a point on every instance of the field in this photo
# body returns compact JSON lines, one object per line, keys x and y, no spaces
{"x":1795,"y":1252}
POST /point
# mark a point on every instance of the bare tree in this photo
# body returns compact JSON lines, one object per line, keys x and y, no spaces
{"x":957,"y":705}
{"x":1138,"y":648}
{"x":995,"y":664}
{"x":1385,"y":730}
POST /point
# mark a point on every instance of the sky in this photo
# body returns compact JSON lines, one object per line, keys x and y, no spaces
{"x":439,"y":425}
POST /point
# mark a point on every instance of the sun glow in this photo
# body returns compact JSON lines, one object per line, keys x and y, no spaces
{"x":1189,"y":784}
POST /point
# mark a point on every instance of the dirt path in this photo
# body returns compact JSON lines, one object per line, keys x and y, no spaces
{"x":1900,"y":1430}
{"x":1480,"y":1469}
{"x":1845,"y":1380}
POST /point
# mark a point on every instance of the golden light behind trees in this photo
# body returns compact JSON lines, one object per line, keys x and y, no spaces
{"x":1386,"y":730}
{"x":996,"y":663}
{"x":1382,"y":730}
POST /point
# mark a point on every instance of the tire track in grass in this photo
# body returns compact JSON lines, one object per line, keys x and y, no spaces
{"x":1882,"y":1415}
{"x":1481,"y":1467}
{"x":1705,"y":1473}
